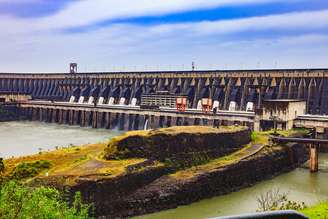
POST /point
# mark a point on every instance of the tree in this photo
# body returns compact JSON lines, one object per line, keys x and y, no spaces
{"x":19,"y":201}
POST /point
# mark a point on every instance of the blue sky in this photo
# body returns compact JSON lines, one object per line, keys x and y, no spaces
{"x":127,"y":35}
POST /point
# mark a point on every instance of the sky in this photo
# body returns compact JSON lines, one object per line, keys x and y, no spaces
{"x":151,"y":35}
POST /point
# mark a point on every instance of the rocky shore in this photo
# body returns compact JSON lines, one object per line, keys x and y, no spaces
{"x":147,"y":171}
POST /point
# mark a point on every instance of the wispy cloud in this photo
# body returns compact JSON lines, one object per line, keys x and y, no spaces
{"x":38,"y":44}
{"x":87,"y":12}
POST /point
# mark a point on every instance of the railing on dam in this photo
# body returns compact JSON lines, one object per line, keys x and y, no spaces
{"x":126,"y":117}
{"x":268,"y":215}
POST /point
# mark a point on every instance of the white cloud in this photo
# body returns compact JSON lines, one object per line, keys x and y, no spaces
{"x":88,"y":12}
{"x":34,"y":45}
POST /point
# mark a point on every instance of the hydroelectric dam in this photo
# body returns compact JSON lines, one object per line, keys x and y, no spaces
{"x":138,"y":100}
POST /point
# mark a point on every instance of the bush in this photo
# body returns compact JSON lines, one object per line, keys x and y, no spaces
{"x":19,"y":201}
{"x":319,"y":211}
{"x":273,"y":200}
{"x":26,"y":170}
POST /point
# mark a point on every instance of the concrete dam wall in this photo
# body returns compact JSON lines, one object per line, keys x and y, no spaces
{"x":229,"y":90}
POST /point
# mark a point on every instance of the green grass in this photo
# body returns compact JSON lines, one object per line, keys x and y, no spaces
{"x":27,"y":170}
{"x":319,"y":211}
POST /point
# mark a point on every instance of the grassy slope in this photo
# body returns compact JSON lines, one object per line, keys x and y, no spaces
{"x":74,"y":162}
{"x":88,"y":160}
{"x":319,"y":211}
{"x":258,"y":138}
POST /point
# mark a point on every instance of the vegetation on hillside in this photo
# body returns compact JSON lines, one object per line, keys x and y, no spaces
{"x":162,"y":143}
{"x":18,"y":201}
{"x":319,"y":211}
{"x":30,"y":169}
{"x":263,"y":136}
{"x":273,"y":200}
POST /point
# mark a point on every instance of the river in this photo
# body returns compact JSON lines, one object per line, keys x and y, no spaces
{"x":300,"y":185}
{"x":24,"y":138}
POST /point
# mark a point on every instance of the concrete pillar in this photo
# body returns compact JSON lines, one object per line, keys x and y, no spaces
{"x":83,"y":118}
{"x":197,"y":121}
{"x":55,"y":116}
{"x":40,"y":114}
{"x":71,"y":117}
{"x":126,"y":123}
{"x":76,"y":117}
{"x":94,"y":119}
{"x":210,"y":122}
{"x":60,"y":116}
{"x":216,"y":123}
{"x":136,"y":122}
{"x":205,"y":122}
{"x":113,"y":120}
{"x":49,"y":115}
{"x":100,"y":120}
{"x":151,"y":122}
{"x":156,"y":122}
{"x":314,"y":158}
{"x":65,"y":116}
{"x":161,"y":122}
{"x":121,"y":121}
{"x":173,"y":121}
{"x":130,"y":121}
{"x":107,"y":121}
{"x":257,"y":124}
{"x":141,"y":124}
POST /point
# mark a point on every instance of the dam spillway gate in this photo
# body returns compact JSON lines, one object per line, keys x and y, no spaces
{"x":234,"y":92}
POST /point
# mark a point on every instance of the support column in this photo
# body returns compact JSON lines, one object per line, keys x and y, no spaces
{"x":126,"y":123}
{"x":100,"y":123}
{"x":107,"y":121}
{"x":121,"y":121}
{"x":65,"y":116}
{"x":76,"y":117}
{"x":40,"y":114}
{"x":95,"y":119}
{"x":71,"y":117}
{"x":314,"y":158}
{"x":83,"y":119}
{"x":136,"y":122}
{"x":113,"y":120}
{"x":60,"y":116}
{"x":141,"y":123}
{"x":173,"y":121}
{"x":131,"y":122}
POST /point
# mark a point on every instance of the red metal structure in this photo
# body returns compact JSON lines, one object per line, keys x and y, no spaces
{"x":206,"y":105}
{"x":181,"y":103}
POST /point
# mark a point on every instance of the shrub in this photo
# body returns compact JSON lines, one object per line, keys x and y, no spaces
{"x":273,"y":200}
{"x":27,"y":170}
{"x":19,"y":201}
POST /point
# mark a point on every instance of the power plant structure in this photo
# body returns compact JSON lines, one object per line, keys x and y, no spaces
{"x":117,"y":99}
